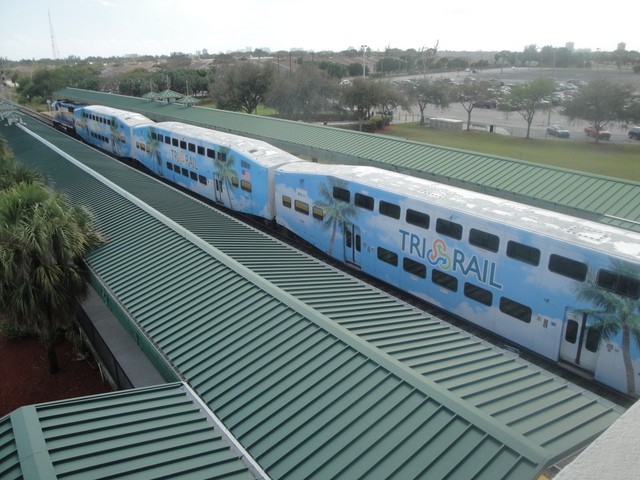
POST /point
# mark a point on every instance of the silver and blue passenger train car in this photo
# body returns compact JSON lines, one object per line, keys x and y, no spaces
{"x":563,"y":287}
{"x":234,"y":171}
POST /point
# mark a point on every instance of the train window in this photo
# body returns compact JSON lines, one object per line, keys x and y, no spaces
{"x":571,"y":334}
{"x":193,"y":175}
{"x":192,"y":147}
{"x":246,"y":186}
{"x":183,"y":144}
{"x":448,"y":228}
{"x":200,"y":150}
{"x":234,"y":181}
{"x":478,"y":294}
{"x":515,"y":310}
{"x":619,"y":283}
{"x":416,"y":268}
{"x":524,"y":253}
{"x":593,"y":339}
{"x":160,"y":138}
{"x":222,"y":156}
{"x":202,"y":179}
{"x":176,"y":168}
{"x":174,"y":142}
{"x":340,"y":193}
{"x":444,"y":280}
{"x":185,"y":172}
{"x":167,"y":140}
{"x":484,"y":240}
{"x":301,"y":207}
{"x":416,"y":218}
{"x":568,"y":267}
{"x":170,"y":165}
{"x":318,"y":213}
{"x":211,"y":153}
{"x":387,"y":256}
{"x":154,"y":136}
{"x":389,"y":209}
{"x":286,"y":201}
{"x":363,"y":201}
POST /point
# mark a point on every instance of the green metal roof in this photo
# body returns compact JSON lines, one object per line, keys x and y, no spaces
{"x":605,"y":199}
{"x":156,"y":432}
{"x":315,"y":373}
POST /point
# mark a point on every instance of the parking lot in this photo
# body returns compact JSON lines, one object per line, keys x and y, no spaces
{"x":512,"y":123}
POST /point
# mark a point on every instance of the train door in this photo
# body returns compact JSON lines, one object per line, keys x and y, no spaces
{"x":580,"y":341}
{"x":352,"y":245}
{"x":217,"y":188}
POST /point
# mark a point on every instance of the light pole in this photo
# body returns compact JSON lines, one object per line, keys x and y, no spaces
{"x":364,"y":65}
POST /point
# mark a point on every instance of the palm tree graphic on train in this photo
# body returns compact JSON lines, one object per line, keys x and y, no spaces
{"x":118,"y":138}
{"x":224,"y":171}
{"x":152,"y":144}
{"x":614,"y":313}
{"x":336,"y":212}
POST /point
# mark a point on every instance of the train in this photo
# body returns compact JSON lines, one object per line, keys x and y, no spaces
{"x":565,"y":288}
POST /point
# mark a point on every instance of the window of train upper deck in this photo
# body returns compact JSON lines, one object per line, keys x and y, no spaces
{"x":340,"y":193}
{"x":568,"y":267}
{"x":154,"y":136}
{"x":175,"y":142}
{"x":418,"y":219}
{"x":192,"y":147}
{"x":484,"y":240}
{"x":448,"y":228}
{"x":200,"y":150}
{"x":619,"y":283}
{"x":222,"y":156}
{"x":167,"y":140}
{"x":523,"y":253}
{"x":211,"y":153}
{"x":363,"y":201}
{"x":183,"y":144}
{"x":389,"y":209}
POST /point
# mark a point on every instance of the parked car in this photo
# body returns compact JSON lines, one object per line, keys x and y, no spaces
{"x":485,"y":104}
{"x":602,"y":135}
{"x":558,"y":131}
{"x":634,"y":133}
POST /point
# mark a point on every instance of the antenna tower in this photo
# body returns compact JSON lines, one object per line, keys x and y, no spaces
{"x":54,"y":46}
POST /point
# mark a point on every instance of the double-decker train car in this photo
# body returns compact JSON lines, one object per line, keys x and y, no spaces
{"x":563,"y":287}
{"x":107,"y":128}
{"x":234,"y":171}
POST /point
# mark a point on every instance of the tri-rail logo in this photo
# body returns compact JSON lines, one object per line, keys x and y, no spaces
{"x":438,"y":254}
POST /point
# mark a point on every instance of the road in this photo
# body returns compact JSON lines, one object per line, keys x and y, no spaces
{"x":512,"y":123}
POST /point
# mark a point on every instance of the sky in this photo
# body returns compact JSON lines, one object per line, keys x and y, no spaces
{"x":105,"y":28}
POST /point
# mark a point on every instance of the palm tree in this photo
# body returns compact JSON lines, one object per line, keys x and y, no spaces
{"x":614,"y":313}
{"x":225,"y":169}
{"x":43,"y":241}
{"x":336,"y":212}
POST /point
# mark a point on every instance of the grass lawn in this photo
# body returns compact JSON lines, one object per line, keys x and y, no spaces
{"x":603,"y":158}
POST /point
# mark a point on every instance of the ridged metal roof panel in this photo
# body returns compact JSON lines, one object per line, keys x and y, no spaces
{"x":545,"y":186}
{"x":157,"y":432}
{"x":10,"y":468}
{"x":244,"y":349}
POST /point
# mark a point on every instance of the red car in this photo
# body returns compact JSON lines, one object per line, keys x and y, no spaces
{"x":602,"y":135}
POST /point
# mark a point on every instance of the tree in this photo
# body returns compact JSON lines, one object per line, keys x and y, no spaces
{"x":616,"y":313}
{"x":471,"y":92}
{"x":600,"y":103}
{"x":527,"y":98}
{"x":243,"y":87}
{"x":43,"y":241}
{"x":360,"y":97}
{"x":303,"y":94}
{"x":429,"y":92}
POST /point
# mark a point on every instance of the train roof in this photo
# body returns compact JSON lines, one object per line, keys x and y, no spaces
{"x":262,"y":152}
{"x":128,"y":117}
{"x":624,"y":243}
